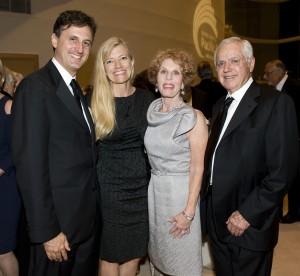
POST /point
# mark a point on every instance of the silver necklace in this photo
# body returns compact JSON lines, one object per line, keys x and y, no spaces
{"x":172,"y":109}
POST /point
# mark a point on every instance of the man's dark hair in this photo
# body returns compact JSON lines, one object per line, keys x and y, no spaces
{"x":204,"y":69}
{"x":73,"y":18}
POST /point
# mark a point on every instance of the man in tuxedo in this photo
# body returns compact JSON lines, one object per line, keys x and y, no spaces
{"x":250,"y":162}
{"x":54,"y":153}
{"x":276,"y":75}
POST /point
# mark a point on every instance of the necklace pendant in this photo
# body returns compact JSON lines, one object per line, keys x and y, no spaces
{"x":160,"y":107}
{"x":176,"y":107}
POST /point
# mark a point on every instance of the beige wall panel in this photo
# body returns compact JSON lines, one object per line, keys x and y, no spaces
{"x":147,"y":25}
{"x":25,"y":63}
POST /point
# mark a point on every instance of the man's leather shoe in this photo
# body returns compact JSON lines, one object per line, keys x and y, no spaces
{"x":289,"y":218}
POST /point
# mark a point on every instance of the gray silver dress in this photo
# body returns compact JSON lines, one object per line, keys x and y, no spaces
{"x":168,"y":151}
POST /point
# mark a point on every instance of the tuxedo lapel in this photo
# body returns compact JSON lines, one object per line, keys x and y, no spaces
{"x":88,"y":116}
{"x":65,"y":95}
{"x":219,"y":104}
{"x":67,"y":98}
{"x":245,"y":107}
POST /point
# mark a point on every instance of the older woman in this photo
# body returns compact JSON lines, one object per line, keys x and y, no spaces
{"x":119,"y":112}
{"x":175,"y":142}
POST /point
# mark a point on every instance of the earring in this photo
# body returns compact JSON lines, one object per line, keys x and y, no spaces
{"x":182,"y":92}
{"x":156,"y":89}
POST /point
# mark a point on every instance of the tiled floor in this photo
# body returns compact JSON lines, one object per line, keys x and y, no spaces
{"x":286,"y":260}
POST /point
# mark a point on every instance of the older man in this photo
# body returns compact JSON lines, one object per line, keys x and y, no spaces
{"x":250,"y":162}
{"x":276,"y":75}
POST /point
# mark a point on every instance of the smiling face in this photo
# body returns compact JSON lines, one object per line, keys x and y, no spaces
{"x":119,"y":65}
{"x":232,"y":68}
{"x":169,"y":79}
{"x":72,"y":48}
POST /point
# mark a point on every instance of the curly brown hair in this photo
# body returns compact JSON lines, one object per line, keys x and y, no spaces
{"x":180,"y":57}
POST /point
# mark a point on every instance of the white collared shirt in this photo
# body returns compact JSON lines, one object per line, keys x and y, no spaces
{"x":237,"y":97}
{"x":281,"y":83}
{"x":67,"y":79}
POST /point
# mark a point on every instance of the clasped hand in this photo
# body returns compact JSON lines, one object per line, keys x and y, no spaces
{"x":56,"y":249}
{"x":181,"y":227}
{"x":236,"y":224}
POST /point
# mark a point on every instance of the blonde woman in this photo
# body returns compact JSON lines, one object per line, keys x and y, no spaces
{"x":119,"y":112}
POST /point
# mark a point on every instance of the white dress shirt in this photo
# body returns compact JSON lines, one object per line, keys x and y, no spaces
{"x":237,"y":97}
{"x":68,"y":78}
{"x":281,"y":83}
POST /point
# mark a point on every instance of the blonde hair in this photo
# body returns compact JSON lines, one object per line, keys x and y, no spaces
{"x":103,"y":103}
{"x":2,"y":75}
{"x":10,"y":81}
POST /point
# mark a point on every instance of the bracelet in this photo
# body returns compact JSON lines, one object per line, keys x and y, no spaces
{"x":187,"y":217}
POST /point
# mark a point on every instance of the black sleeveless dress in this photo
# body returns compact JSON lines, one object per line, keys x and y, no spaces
{"x":124,"y":174}
{"x":10,"y":198}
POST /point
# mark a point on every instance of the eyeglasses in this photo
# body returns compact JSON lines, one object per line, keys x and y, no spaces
{"x":232,"y":61}
{"x":270,"y":72}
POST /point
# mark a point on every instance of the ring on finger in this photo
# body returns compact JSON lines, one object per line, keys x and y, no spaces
{"x":183,"y":232}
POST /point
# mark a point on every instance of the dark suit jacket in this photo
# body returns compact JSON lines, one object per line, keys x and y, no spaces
{"x":292,"y":88}
{"x":206,"y":94}
{"x":200,"y":101}
{"x":255,"y":163}
{"x":54,"y":154}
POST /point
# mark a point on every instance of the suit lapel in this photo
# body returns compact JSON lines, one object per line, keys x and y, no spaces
{"x":88,"y":116}
{"x":216,"y":109}
{"x":245,"y":107}
{"x":66,"y":97}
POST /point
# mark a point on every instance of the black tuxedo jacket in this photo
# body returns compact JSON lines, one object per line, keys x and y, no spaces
{"x":292,"y":88}
{"x":255,"y":163}
{"x":54,"y":154}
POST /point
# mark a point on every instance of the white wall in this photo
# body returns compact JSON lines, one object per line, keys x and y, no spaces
{"x":147,"y":25}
